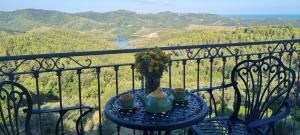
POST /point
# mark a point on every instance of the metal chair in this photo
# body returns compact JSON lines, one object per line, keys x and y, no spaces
{"x":62,"y":112}
{"x":265,"y":85}
{"x":13,"y":97}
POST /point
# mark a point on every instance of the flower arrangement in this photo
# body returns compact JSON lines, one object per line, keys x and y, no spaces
{"x":152,"y":64}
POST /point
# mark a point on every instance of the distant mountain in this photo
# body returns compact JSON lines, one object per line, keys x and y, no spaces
{"x":27,"y":19}
{"x":121,"y":22}
{"x":220,"y":35}
{"x":43,"y":40}
{"x":162,"y":19}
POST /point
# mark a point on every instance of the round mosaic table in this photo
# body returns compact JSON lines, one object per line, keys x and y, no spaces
{"x":182,"y":115}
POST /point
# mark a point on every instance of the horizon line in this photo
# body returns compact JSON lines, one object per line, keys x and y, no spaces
{"x":150,"y":12}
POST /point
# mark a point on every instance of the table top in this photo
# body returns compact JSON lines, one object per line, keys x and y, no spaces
{"x":183,"y":114}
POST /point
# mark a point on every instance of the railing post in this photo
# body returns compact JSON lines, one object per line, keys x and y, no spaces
{"x":36,"y":76}
{"x":98,"y":71}
{"x":198,"y":75}
{"x":133,"y":84}
{"x":132,"y":77}
{"x":58,"y":73}
{"x":223,"y":84}
{"x":184,"y":65}
{"x":170,"y":73}
{"x":80,"y":96}
{"x":116,"y":68}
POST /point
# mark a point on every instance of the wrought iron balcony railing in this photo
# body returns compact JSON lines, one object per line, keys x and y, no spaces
{"x":70,"y":83}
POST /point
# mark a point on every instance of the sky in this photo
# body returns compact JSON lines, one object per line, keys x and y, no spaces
{"x":154,"y":6}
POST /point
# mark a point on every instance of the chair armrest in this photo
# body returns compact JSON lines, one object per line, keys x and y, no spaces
{"x":57,"y":110}
{"x":197,"y":130}
{"x":271,"y":119}
{"x":217,"y":118}
{"x":211,"y":88}
{"x":80,"y":131}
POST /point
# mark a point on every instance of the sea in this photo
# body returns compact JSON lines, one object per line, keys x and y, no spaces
{"x":123,"y":42}
{"x":273,"y":16}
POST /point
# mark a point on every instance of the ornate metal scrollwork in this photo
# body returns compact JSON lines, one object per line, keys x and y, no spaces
{"x":9,"y":67}
{"x":60,"y":65}
{"x":47,"y":64}
{"x":283,"y":47}
{"x":44,"y":64}
{"x":212,"y":52}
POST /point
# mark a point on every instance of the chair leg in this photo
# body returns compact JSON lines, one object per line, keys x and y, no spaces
{"x":273,"y":129}
{"x":145,"y":132}
{"x":168,"y":132}
{"x":81,"y":131}
{"x":190,"y":132}
{"x":230,"y":131}
{"x":61,"y":115}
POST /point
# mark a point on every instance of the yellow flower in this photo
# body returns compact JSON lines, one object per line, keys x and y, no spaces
{"x":157,"y":56}
{"x":168,"y":56}
{"x":144,"y":56}
{"x":138,"y":70}
{"x":152,"y":62}
{"x":155,"y":60}
{"x":150,"y":70}
{"x":138,"y":66}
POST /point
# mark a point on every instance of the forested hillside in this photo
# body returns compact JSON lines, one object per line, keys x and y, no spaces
{"x":211,"y":36}
{"x":45,"y":40}
{"x":122,"y":22}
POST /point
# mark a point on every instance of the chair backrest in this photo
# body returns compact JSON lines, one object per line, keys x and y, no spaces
{"x":262,"y":87}
{"x":13,"y":98}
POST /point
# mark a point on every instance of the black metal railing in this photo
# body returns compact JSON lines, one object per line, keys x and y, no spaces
{"x":62,"y":80}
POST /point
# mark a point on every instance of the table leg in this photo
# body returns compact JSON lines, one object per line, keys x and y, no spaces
{"x":168,"y":132}
{"x":190,"y":131}
{"x":145,"y":132}
{"x":118,"y":129}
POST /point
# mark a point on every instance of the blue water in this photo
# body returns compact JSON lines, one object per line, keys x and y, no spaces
{"x":291,"y":17}
{"x":123,"y":42}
